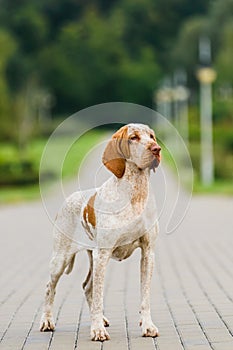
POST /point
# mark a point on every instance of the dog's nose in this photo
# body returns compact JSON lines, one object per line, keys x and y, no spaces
{"x":155,"y":149}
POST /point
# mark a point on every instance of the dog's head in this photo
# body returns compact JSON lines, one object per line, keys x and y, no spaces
{"x":134,"y":143}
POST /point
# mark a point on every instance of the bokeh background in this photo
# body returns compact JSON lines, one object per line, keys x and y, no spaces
{"x":58,"y":57}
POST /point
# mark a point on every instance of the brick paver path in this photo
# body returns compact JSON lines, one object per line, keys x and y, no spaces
{"x":192,"y":289}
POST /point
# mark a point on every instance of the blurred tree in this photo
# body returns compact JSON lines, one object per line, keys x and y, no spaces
{"x":185,"y":51}
{"x":225,"y":55}
{"x":223,"y":65}
{"x":138,"y":77}
{"x":156,"y":23}
{"x":213,"y":25}
{"x":27,"y":25}
{"x":8,"y":43}
{"x":218,"y":26}
{"x":93,"y":51}
{"x":30,"y":28}
{"x":84,"y":64}
{"x":91,"y":65}
{"x":220,"y":13}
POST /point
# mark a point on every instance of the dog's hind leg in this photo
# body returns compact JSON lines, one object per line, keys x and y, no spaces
{"x":58,"y":264}
{"x":64,"y":254}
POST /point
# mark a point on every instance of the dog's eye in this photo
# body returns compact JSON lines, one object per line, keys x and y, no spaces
{"x":152,"y":136}
{"x":134,"y":138}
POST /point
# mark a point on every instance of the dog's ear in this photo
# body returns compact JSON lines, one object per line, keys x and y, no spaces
{"x":116,"y":152}
{"x":113,"y":160}
{"x":123,"y":141}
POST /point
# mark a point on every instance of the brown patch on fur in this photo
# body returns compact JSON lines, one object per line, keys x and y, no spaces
{"x":116,"y":152}
{"x":89,"y":216}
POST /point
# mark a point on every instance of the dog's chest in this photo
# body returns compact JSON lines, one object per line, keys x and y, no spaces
{"x":114,"y":216}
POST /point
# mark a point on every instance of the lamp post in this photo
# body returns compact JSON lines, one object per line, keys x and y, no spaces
{"x":181,"y":96}
{"x":206,"y":76}
{"x":163,"y":98}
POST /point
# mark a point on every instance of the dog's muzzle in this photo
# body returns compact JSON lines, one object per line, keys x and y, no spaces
{"x":156,"y":151}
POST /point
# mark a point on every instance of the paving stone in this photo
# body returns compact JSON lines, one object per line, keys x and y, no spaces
{"x":191,"y":292}
{"x":223,"y":346}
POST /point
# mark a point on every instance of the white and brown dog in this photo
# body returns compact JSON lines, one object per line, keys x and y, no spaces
{"x":118,"y":218}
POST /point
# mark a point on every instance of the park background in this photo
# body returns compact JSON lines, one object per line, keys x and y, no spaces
{"x":58,"y":57}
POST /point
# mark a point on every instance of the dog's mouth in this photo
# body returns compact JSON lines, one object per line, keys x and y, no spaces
{"x":151,"y":160}
{"x":155,"y":162}
{"x":156,"y":154}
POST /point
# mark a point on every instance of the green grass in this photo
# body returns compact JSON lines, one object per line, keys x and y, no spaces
{"x":34,"y":152}
{"x":18,"y":194}
{"x":218,"y":187}
{"x":74,"y":158}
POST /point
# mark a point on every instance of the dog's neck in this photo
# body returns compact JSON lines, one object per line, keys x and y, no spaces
{"x":137,"y":182}
{"x":133,"y":172}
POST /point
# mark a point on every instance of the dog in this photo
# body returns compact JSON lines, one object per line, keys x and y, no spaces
{"x":118,"y":217}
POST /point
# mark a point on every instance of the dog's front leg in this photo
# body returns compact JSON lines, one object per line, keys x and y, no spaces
{"x":100,"y":260}
{"x":147,"y":266}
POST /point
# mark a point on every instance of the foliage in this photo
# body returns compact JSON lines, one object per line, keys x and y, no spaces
{"x":224,"y":58}
{"x":218,"y":26}
{"x":9,"y":44}
{"x":83,"y":66}
{"x":78,"y":53}
{"x":185,"y":53}
{"x":88,"y":52}
{"x":20,"y":176}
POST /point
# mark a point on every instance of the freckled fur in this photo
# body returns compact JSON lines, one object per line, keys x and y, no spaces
{"x":119,"y":218}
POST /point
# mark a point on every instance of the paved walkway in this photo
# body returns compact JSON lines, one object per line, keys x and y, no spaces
{"x":192,"y":290}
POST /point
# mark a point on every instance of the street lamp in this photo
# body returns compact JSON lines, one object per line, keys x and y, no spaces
{"x":180,"y":97}
{"x":206,"y":76}
{"x":163,"y":98}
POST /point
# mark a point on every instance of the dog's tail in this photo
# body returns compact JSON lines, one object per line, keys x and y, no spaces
{"x":70,"y":266}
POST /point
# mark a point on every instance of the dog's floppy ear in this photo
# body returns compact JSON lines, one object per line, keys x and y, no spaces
{"x":116,"y":152}
{"x":113,"y":160}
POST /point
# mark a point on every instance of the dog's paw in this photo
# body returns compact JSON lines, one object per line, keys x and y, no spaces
{"x":149,"y":329}
{"x":105,"y":321}
{"x":47,"y":324}
{"x":99,"y":334}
